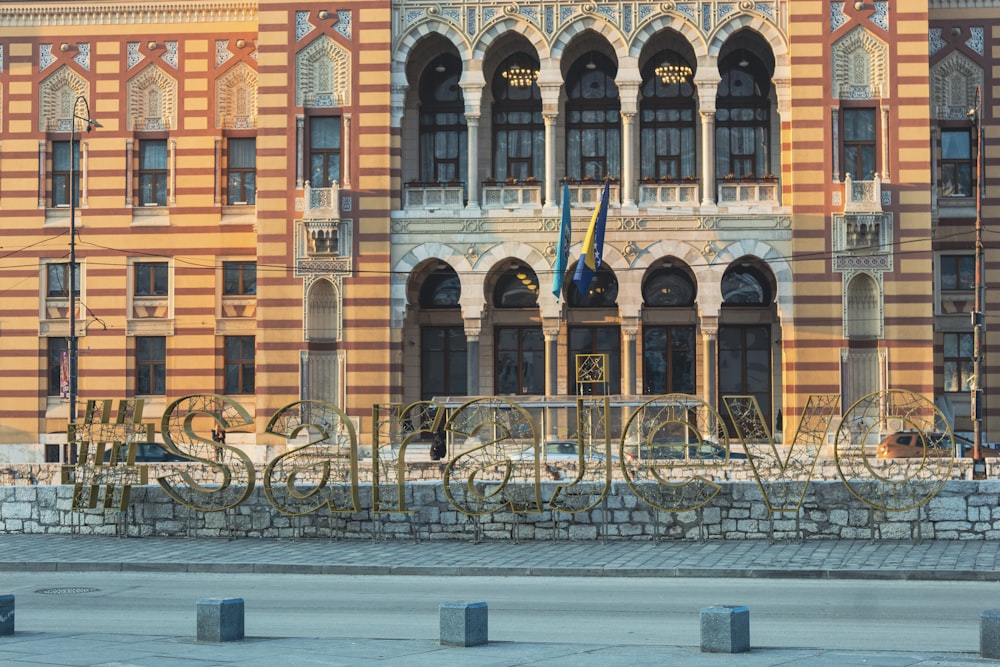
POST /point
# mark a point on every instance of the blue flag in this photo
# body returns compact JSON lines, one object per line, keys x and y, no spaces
{"x":593,"y":244}
{"x":565,"y":238}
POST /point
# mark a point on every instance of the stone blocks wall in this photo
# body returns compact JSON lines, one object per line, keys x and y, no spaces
{"x":963,"y":509}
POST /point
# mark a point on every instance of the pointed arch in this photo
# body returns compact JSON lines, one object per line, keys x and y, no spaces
{"x":953,"y":86}
{"x":657,"y":24}
{"x":152,"y":100}
{"x":593,"y":23}
{"x":860,"y":65}
{"x":323,"y":74}
{"x":777,"y":263}
{"x":505,"y":26}
{"x":236,"y":98}
{"x":323,"y":309}
{"x":862,"y":307}
{"x":57,"y":95}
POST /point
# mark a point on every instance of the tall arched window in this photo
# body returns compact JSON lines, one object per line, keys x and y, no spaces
{"x":668,"y":332}
{"x":593,"y":122}
{"x":744,"y":339}
{"x":443,"y":360}
{"x":742,"y":118}
{"x":442,"y":122}
{"x":667,"y":123}
{"x":518,"y":128}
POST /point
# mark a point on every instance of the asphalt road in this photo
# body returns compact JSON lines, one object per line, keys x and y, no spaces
{"x":784,"y":613}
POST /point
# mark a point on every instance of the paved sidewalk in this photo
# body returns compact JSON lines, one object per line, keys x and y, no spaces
{"x":832,"y":559}
{"x":936,"y":560}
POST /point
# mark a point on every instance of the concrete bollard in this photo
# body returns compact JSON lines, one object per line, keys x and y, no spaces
{"x":220,"y":619}
{"x":6,"y":615}
{"x":725,"y":629}
{"x":989,"y":634}
{"x":464,"y":623}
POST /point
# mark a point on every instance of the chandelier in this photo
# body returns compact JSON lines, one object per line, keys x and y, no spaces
{"x":520,"y":77}
{"x":669,"y":73}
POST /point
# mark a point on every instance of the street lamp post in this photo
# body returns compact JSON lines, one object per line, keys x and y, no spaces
{"x":977,"y":313}
{"x":89,"y":124}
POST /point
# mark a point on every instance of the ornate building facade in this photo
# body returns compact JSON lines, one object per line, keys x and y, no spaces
{"x":361,"y":204}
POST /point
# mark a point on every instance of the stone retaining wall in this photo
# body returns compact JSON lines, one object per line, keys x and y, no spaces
{"x":964,"y":509}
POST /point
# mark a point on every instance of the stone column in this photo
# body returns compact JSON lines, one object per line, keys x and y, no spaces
{"x":628,"y":166}
{"x":708,"y":158}
{"x":472,"y":168}
{"x":473,"y":327}
{"x":345,"y":175}
{"x":550,"y":329}
{"x":551,"y":198}
{"x":299,"y":148}
{"x":630,"y":330}
{"x":835,"y":116}
{"x":710,"y":355}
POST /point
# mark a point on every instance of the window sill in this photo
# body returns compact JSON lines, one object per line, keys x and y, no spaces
{"x":151,"y":216}
{"x":59,"y":216}
{"x":239,"y":214}
{"x":235,"y":325}
{"x":150,"y":327}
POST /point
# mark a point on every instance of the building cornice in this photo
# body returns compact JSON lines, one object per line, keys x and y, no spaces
{"x":47,"y":14}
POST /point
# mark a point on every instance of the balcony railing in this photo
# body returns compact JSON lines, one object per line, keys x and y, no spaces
{"x":668,"y":194}
{"x":321,"y":203}
{"x":862,"y":196}
{"x":748,"y":193}
{"x":510,"y":196}
{"x":432,"y":196}
{"x":327,"y":238}
{"x":871,"y":232}
{"x":588,"y":195}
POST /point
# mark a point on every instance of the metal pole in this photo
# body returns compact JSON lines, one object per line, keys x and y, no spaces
{"x":73,"y":342}
{"x":977,"y":314}
{"x":90,"y":123}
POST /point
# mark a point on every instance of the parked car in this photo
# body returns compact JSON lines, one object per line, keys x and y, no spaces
{"x":706,"y":451}
{"x":911,"y":444}
{"x":557,"y":450}
{"x":146,"y":452}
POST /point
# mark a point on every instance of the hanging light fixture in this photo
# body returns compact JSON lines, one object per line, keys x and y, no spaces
{"x":520,"y":77}
{"x":670,"y":73}
{"x":439,"y":68}
{"x":591,"y":65}
{"x":743,"y":59}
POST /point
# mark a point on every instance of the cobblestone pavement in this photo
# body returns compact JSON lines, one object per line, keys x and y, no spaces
{"x":944,"y":560}
{"x":940,"y":560}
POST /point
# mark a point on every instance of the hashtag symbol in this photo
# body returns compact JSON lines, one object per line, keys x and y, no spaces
{"x":97,"y":435}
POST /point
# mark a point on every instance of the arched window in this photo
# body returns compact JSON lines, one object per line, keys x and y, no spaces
{"x":442,"y":122}
{"x":667,"y":114}
{"x":593,"y":123}
{"x":745,"y":286}
{"x":518,"y":128}
{"x":517,"y":288}
{"x":668,"y":335}
{"x":668,"y":287}
{"x":863,"y":317}
{"x":742,"y":118}
{"x":441,"y":289}
{"x":602,"y":293}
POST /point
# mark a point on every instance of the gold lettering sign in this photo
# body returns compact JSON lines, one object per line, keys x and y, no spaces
{"x":498,"y":467}
{"x":183,"y":427}
{"x":673,"y":451}
{"x":97,"y":439}
{"x":323,"y":472}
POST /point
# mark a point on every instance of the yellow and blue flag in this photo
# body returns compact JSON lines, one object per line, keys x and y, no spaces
{"x":593,"y":244}
{"x":565,"y":238}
